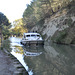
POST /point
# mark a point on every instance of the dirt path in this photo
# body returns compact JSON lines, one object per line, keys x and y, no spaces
{"x":6,"y":64}
{"x":9,"y":65}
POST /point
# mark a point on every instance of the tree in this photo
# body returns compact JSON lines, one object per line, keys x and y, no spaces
{"x":41,"y":9}
{"x":18,"y":29}
{"x":3,"y":22}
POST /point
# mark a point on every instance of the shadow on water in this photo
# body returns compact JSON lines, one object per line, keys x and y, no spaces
{"x":52,"y":59}
{"x":62,"y":58}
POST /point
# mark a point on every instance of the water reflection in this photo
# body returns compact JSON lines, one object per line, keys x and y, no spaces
{"x":62,"y":58}
{"x":52,"y":59}
{"x":32,"y":51}
{"x":15,"y":41}
{"x":18,"y":52}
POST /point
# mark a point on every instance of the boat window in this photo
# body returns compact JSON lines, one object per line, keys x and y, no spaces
{"x":38,"y":35}
{"x":33,"y":35}
{"x":27,"y":35}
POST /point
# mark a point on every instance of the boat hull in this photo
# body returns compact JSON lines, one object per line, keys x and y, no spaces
{"x":32,"y":43}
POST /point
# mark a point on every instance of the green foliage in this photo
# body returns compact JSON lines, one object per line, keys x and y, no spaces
{"x":3,"y":20}
{"x":73,"y":42}
{"x":18,"y":29}
{"x":40,"y":23}
{"x":44,"y":36}
{"x":4,"y":25}
{"x":6,"y":45}
{"x":6,"y":33}
{"x":68,"y":21}
{"x":61,"y":36}
{"x":18,"y":22}
{"x":39,"y":9}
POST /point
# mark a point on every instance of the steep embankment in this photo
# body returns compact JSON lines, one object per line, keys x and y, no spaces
{"x":60,"y":27}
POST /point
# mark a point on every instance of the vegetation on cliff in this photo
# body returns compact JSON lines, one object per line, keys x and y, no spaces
{"x":67,"y":36}
{"x":53,"y":19}
{"x":41,"y":9}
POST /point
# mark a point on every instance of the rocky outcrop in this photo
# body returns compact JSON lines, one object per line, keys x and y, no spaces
{"x":60,"y":27}
{"x":67,"y":35}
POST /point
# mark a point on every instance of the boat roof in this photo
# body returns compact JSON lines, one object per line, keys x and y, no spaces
{"x":31,"y":33}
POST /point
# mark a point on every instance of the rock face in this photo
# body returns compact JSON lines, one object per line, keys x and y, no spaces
{"x":67,"y":34}
{"x":60,"y":27}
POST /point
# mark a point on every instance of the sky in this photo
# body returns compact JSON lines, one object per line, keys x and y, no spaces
{"x":13,"y":9}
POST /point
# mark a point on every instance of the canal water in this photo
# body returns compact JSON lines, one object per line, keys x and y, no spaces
{"x":51,"y":59}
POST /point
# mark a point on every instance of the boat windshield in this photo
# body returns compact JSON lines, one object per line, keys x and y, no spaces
{"x":38,"y":35}
{"x":27,"y":35}
{"x":33,"y":35}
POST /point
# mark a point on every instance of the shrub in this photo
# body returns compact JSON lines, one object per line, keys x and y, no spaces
{"x":61,"y":36}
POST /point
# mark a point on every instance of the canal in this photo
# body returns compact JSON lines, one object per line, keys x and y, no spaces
{"x":51,"y":59}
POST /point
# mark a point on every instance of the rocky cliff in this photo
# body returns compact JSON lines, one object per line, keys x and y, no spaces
{"x":60,"y":27}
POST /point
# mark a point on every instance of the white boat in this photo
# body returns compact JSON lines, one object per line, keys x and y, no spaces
{"x":32,"y":38}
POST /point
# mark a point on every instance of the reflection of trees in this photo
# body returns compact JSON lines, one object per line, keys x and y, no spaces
{"x":18,"y":49}
{"x":55,"y":60}
{"x":64,"y":60}
{"x":33,"y":49}
{"x":40,"y":65}
{"x":67,"y":51}
{"x":6,"y":45}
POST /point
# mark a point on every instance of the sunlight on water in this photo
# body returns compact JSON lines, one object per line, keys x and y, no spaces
{"x":15,"y":41}
{"x":20,"y":57}
{"x":18,"y":53}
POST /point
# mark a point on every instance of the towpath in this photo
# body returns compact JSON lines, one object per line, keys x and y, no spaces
{"x":6,"y":64}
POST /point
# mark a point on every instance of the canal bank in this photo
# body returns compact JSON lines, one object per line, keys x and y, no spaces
{"x":9,"y":65}
{"x":51,"y":59}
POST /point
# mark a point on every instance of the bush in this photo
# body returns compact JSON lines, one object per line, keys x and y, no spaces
{"x":61,"y":36}
{"x":68,"y":21}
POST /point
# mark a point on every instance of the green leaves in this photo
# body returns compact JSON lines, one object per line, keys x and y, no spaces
{"x":3,"y":20}
{"x":4,"y":24}
{"x":19,"y":29}
{"x":40,"y":9}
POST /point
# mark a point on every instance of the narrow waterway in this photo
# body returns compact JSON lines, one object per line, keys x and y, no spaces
{"x":51,"y":59}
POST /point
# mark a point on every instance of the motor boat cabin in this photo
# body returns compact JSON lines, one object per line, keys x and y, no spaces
{"x":32,"y":38}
